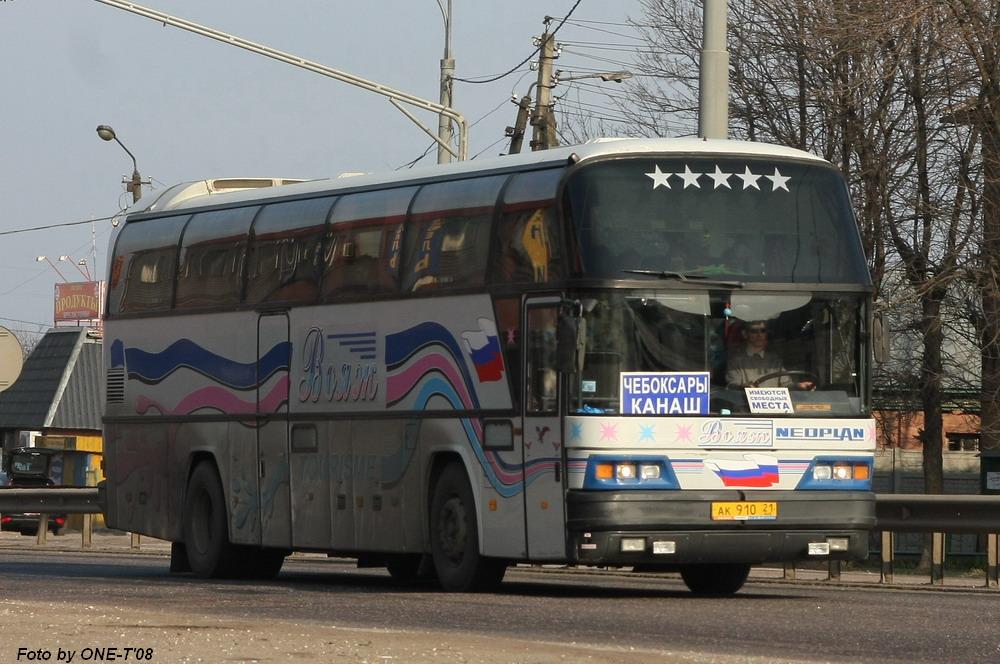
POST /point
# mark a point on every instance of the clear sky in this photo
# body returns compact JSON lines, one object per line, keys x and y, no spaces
{"x":191,"y":108}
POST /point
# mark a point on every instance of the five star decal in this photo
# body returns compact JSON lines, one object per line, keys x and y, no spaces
{"x":719,"y":177}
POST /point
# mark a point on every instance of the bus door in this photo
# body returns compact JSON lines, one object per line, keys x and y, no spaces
{"x":273,"y":367}
{"x":542,"y":431}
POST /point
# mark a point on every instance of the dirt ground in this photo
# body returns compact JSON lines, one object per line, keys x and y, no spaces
{"x":60,"y":631}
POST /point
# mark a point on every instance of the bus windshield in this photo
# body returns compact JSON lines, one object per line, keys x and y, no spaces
{"x":809,"y":343}
{"x":750,"y":219}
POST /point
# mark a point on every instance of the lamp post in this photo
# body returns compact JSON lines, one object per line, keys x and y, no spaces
{"x":447,"y":71}
{"x":39,"y":259}
{"x":135,"y":184}
{"x":78,"y":264}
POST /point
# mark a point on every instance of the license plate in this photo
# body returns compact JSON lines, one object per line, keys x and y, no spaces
{"x":744,"y":511}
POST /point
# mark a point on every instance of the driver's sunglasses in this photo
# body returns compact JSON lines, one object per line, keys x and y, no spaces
{"x":756,"y":330}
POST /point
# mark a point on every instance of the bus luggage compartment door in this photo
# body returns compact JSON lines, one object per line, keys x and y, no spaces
{"x":273,"y":366}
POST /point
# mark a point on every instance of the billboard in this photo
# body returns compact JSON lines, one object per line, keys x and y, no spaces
{"x":78,"y":301}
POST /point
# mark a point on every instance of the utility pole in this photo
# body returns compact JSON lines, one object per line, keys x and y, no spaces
{"x":447,"y":72}
{"x":516,"y":132}
{"x":543,"y":121}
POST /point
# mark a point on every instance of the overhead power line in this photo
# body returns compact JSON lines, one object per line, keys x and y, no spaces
{"x":519,"y":64}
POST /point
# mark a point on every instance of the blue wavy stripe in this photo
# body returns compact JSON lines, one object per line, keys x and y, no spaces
{"x":438,"y":386}
{"x":154,"y":367}
{"x":402,"y":346}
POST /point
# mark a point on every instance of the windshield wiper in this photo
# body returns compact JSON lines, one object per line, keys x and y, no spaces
{"x":699,"y":279}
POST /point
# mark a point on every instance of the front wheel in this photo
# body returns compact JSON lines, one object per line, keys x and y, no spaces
{"x":455,"y":537}
{"x":715,"y":580}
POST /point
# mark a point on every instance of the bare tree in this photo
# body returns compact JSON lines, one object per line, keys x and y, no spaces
{"x":865,"y":84}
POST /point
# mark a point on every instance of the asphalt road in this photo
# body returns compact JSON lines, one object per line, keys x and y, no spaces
{"x":325,"y":610}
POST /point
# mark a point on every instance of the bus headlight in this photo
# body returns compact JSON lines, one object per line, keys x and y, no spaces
{"x":625,"y":471}
{"x":843,"y":473}
{"x":649,"y":471}
{"x":629,"y":472}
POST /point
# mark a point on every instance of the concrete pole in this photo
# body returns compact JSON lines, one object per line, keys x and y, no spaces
{"x":541,"y":120}
{"x":447,"y":72}
{"x":713,"y":91}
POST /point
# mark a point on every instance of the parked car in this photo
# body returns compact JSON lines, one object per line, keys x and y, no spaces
{"x":26,"y":468}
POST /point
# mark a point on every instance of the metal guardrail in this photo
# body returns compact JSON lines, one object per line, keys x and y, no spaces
{"x":895,"y":513}
{"x":920,"y":513}
{"x":53,"y":500}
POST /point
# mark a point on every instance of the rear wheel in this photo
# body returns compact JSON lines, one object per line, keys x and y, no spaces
{"x":206,"y":528}
{"x":455,"y":537}
{"x":717,"y":580}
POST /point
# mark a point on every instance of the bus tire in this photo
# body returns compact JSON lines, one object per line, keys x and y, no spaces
{"x":715,"y":580}
{"x":206,"y":527}
{"x":455,"y":537}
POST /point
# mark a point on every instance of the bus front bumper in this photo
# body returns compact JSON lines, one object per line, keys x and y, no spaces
{"x":668,"y":528}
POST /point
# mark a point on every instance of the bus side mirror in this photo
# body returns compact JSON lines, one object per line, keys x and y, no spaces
{"x":880,"y":338}
{"x":571,"y":337}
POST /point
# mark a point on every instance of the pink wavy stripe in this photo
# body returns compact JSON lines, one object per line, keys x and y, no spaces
{"x":399,"y":384}
{"x":540,"y":468}
{"x":219,"y":399}
{"x":505,"y":476}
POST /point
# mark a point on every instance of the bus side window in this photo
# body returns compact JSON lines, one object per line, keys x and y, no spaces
{"x":213,"y":252}
{"x":541,"y":386}
{"x":283,"y":263}
{"x":363,"y":243}
{"x":528,"y":248}
{"x":448,"y":234}
{"x":142,"y":270}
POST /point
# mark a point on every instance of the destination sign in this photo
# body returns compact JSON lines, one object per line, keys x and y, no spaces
{"x":664,"y":393}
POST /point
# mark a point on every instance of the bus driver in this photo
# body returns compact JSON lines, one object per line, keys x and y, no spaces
{"x":747,"y":366}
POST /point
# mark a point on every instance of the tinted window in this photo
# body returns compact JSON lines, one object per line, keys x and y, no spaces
{"x":750,"y":219}
{"x":284,"y":263}
{"x":213,"y":253}
{"x":142,"y":271}
{"x":362,"y":247}
{"x":447,"y":240}
{"x":529,"y":239}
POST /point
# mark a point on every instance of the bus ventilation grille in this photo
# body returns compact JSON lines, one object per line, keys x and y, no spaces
{"x":116,"y":385}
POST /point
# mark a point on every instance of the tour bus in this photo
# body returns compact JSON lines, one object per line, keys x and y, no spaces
{"x":523,"y":360}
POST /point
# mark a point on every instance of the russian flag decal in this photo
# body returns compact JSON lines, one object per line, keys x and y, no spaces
{"x":754,"y":470}
{"x":484,"y":349}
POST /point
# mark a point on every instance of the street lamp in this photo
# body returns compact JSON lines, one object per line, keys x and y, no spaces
{"x":606,"y":76}
{"x":39,"y":259}
{"x":516,"y":132}
{"x":78,"y":264}
{"x":135,"y":185}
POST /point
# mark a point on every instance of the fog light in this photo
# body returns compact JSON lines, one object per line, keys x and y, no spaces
{"x":819,"y":548}
{"x":625,"y":471}
{"x":838,"y":543}
{"x":822,"y":472}
{"x":664,"y":547}
{"x":649,"y":472}
{"x":633,"y":544}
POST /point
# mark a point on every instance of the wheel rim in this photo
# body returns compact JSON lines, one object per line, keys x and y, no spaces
{"x":453,"y":530}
